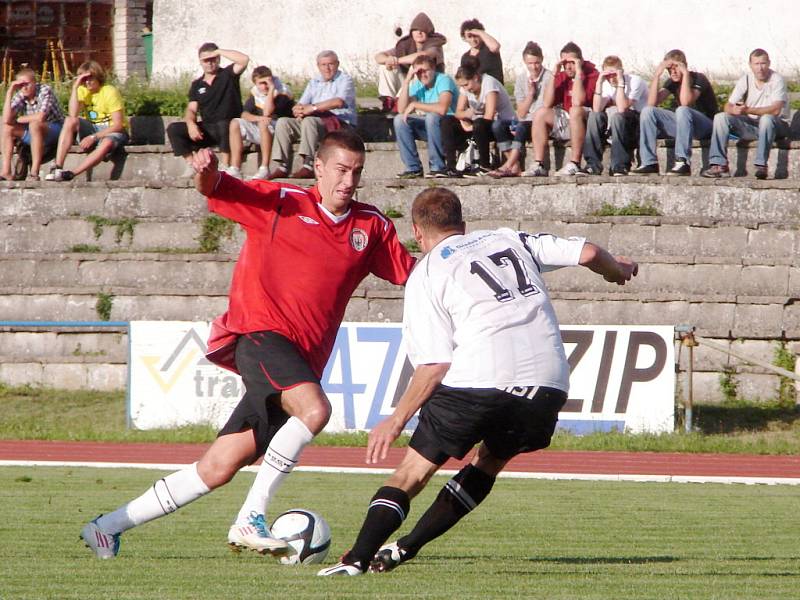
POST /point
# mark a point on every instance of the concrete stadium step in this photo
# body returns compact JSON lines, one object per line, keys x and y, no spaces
{"x":383,"y":161}
{"x":522,"y":200}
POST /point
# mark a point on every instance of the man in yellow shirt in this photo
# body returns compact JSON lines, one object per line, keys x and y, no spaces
{"x":97,"y":115}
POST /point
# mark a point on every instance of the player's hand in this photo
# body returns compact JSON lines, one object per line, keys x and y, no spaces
{"x":381,"y":438}
{"x":627,"y":269}
{"x":195,"y":134}
{"x":204,"y":161}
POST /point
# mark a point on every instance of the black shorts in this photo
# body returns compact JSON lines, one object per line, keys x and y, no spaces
{"x":268,"y":363}
{"x":453,"y":420}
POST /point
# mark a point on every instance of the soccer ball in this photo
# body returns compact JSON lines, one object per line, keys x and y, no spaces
{"x":308,"y":534}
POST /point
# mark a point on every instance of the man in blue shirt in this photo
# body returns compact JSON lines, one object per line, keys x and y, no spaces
{"x":435,"y":95}
{"x":328,"y":103}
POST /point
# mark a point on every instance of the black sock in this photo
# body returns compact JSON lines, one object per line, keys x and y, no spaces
{"x":458,"y":497}
{"x":387,"y":511}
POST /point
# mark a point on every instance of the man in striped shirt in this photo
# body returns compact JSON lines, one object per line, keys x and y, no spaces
{"x":32,"y":114}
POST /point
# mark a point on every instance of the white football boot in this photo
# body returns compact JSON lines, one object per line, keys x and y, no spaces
{"x":256,"y":536}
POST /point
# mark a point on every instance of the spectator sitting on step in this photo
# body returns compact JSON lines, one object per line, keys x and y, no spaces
{"x":395,"y":62}
{"x":482,"y":47}
{"x":693,"y":117}
{"x":269,"y":99}
{"x":618,"y":101}
{"x":33,"y":115}
{"x":423,"y":103}
{"x":758,"y":109}
{"x":328,"y":103}
{"x":528,"y":93}
{"x":97,"y":116}
{"x":483,"y":112}
{"x":216,"y":97}
{"x":566,"y":104}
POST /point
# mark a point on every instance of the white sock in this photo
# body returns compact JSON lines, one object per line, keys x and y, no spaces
{"x":279,"y":460}
{"x":163,"y":497}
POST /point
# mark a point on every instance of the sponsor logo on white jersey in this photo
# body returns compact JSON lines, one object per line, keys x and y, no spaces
{"x":358,"y":239}
{"x":308,"y":220}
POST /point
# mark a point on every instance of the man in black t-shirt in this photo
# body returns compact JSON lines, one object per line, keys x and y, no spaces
{"x":693,"y":117}
{"x":483,"y":47}
{"x":217,"y":98}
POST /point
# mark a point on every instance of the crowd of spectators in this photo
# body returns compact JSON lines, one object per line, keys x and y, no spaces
{"x":472,"y":126}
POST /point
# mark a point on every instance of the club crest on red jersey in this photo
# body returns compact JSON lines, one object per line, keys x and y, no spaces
{"x":308,"y":220}
{"x":358,"y":239}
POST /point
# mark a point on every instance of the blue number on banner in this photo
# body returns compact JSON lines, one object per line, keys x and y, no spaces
{"x":393,"y":336}
{"x":346,"y":388}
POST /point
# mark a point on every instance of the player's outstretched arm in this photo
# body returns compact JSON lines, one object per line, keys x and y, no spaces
{"x":204,"y":162}
{"x":423,"y":383}
{"x":615,"y":269}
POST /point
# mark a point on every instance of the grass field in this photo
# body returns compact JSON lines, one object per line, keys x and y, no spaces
{"x":530,"y":539}
{"x":739,"y":427}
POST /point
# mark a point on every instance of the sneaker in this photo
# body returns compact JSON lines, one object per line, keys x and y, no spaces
{"x":387,"y":558}
{"x":436,"y":174}
{"x":454,"y":174}
{"x":716,"y":171}
{"x":234,"y":172}
{"x":619,"y":172}
{"x":59,"y":174}
{"x":409,"y":175}
{"x":342,"y":568}
{"x":761,"y":172}
{"x":537,"y":170}
{"x":256,"y":536}
{"x":104,"y":545}
{"x":278,"y":173}
{"x":569,"y":169}
{"x":646,"y":170}
{"x":681,"y":168}
{"x":476,"y":172}
{"x":262,"y":173}
{"x":594,"y":170}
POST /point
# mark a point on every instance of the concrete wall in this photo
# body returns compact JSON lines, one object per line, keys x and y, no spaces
{"x":717,"y":35}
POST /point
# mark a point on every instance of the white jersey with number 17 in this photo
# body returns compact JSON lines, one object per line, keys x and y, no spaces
{"x":478,"y":301}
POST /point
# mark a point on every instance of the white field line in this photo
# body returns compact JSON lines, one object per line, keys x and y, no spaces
{"x":375,"y":471}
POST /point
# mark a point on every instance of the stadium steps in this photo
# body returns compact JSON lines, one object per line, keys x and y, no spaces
{"x":156,"y":162}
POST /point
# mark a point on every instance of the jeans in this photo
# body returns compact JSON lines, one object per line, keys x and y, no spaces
{"x":764,"y":129}
{"x":682,"y":125}
{"x":624,"y":134}
{"x":419,"y":128}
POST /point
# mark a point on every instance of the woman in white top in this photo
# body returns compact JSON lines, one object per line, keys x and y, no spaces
{"x":484,"y":109}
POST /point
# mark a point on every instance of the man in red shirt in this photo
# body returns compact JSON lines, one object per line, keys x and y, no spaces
{"x":565,"y":106}
{"x":305,"y":253}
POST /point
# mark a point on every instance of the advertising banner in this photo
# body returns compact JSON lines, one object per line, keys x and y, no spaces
{"x":621,"y":377}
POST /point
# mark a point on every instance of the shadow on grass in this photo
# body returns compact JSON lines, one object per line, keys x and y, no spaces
{"x":733,"y":417}
{"x":605,"y":560}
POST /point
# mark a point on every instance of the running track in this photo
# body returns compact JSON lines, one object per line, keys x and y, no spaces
{"x":548,"y":464}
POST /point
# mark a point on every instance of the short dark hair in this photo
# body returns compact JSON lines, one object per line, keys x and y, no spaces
{"x":572,"y":48}
{"x":341,"y":138}
{"x":532,"y":49}
{"x":467,"y":70}
{"x":758,"y":52}
{"x":437,"y":208}
{"x":471,"y":24}
{"x":207,"y":47}
{"x":259,"y":72}
{"x":424,"y":58}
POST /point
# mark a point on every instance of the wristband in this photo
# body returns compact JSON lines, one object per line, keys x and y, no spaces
{"x":314,"y":108}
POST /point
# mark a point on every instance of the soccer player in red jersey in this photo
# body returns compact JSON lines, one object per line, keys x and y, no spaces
{"x":305,"y":253}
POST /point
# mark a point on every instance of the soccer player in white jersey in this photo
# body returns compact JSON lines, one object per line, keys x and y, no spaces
{"x":489,"y":367}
